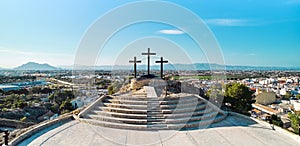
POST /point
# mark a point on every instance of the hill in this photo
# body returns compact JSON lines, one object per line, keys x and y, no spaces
{"x":36,"y":66}
{"x":2,"y":68}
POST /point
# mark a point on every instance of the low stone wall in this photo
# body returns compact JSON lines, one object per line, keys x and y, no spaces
{"x":91,"y":107}
{"x":277,"y":128}
{"x":14,"y":123}
{"x":213,"y":106}
{"x":39,"y":127}
{"x":240,"y":115}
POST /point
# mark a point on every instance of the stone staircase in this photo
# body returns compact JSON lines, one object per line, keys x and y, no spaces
{"x":179,"y":112}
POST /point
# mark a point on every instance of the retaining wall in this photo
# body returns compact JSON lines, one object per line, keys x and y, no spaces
{"x":39,"y":127}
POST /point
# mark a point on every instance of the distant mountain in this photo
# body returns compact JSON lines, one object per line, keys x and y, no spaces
{"x":195,"y":66}
{"x":36,"y":66}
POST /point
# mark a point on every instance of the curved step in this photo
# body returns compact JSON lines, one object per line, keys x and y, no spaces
{"x":121,"y":115}
{"x":114,"y":125}
{"x":184,"y":110}
{"x":136,"y":102}
{"x":119,"y":120}
{"x":192,"y":118}
{"x":196,"y":124}
{"x":180,"y":105}
{"x":126,"y":106}
{"x":151,"y":104}
{"x":183,"y":115}
{"x":133,"y":98}
{"x":145,"y":101}
{"x":123,"y":110}
{"x":176,"y":101}
{"x":189,"y":125}
{"x":142,"y":113}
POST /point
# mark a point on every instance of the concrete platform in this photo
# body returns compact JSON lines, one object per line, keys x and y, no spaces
{"x":233,"y":130}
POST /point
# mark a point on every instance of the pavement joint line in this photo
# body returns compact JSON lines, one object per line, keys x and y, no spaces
{"x":191,"y":138}
{"x":228,"y":141}
{"x":59,"y":132}
{"x":126,"y":138}
{"x":247,"y":132}
{"x":91,"y":140}
{"x":161,"y":141}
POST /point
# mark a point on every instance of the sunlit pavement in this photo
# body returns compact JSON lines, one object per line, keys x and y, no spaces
{"x":231,"y":131}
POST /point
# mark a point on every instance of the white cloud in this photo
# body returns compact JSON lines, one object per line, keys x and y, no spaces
{"x":228,"y":22}
{"x":171,"y":31}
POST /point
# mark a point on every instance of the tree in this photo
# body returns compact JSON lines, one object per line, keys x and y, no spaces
{"x":215,"y":95}
{"x":36,"y":90}
{"x":239,"y":96}
{"x":276,"y":120}
{"x":46,"y":91}
{"x":288,"y":95}
{"x":66,"y":105}
{"x":294,"y":121}
{"x":21,"y":104}
{"x":23,"y":91}
{"x":110,"y":90}
{"x":298,"y":96}
{"x":55,"y":108}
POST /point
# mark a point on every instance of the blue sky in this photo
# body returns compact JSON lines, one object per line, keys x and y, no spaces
{"x":249,"y":32}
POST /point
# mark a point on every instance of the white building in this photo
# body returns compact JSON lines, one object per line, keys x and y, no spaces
{"x":283,"y":91}
{"x":77,"y":103}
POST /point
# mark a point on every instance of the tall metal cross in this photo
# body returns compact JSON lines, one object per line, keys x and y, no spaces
{"x":161,"y":61}
{"x":148,"y":53}
{"x":134,"y":61}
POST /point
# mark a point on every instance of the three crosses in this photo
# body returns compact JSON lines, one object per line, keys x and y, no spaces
{"x":161,"y":61}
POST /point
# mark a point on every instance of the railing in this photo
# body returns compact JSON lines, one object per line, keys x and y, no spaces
{"x":91,"y":107}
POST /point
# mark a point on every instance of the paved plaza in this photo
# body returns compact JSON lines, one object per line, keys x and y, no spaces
{"x":231,"y":131}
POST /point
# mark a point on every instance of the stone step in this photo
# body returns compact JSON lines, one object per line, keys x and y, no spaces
{"x":118,"y":120}
{"x":155,"y":126}
{"x":180,"y":99}
{"x":182,"y":115}
{"x":133,"y":98}
{"x":153,"y":119}
{"x":192,"y":118}
{"x":134,"y":110}
{"x":152,"y":114}
{"x":180,"y":105}
{"x":121,"y":115}
{"x":196,"y":124}
{"x":184,"y":110}
{"x":143,"y":100}
{"x":135,"y":102}
{"x":126,"y":106}
{"x":123,"y":110}
{"x":114,"y":125}
{"x":144,"y":113}
{"x":152,"y":106}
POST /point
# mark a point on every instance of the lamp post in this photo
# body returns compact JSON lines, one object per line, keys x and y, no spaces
{"x":5,"y":136}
